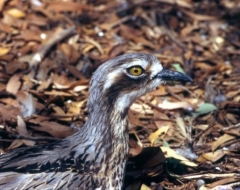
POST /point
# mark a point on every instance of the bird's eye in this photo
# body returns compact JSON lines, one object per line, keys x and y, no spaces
{"x":135,"y":70}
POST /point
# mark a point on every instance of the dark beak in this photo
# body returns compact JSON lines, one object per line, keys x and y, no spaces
{"x":169,"y":75}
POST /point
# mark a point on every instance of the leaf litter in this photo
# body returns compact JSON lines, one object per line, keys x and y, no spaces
{"x":49,"y":50}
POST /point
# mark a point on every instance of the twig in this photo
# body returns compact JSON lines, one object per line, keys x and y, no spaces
{"x":231,"y":127}
{"x":57,"y":37}
{"x":209,"y":176}
{"x":169,"y":33}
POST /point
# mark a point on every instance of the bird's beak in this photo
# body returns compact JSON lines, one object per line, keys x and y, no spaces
{"x":169,"y":75}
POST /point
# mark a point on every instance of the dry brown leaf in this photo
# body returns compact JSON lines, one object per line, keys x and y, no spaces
{"x":8,"y":113}
{"x":220,"y":141}
{"x":29,"y":35}
{"x":180,"y":3}
{"x":134,"y":35}
{"x":158,"y":134}
{"x":116,"y":50}
{"x":57,"y":109}
{"x":94,"y":43}
{"x":26,"y":102}
{"x":22,"y":130}
{"x":224,"y":182}
{"x":233,"y":132}
{"x":70,"y":52}
{"x":213,"y":156}
{"x":16,"y":13}
{"x":161,"y":91}
{"x":199,"y":17}
{"x":59,"y":93}
{"x":232,"y":118}
{"x":2,"y":2}
{"x":69,"y":6}
{"x":174,"y":105}
{"x":55,"y":129}
{"x":15,"y":144}
{"x":134,"y":119}
{"x":75,"y":107}
{"x":181,"y":125}
{"x":4,"y":51}
{"x":13,"y":84}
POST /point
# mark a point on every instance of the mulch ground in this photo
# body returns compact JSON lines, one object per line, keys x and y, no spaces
{"x":49,"y":50}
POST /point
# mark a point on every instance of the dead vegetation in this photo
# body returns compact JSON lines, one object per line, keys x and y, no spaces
{"x":49,"y":50}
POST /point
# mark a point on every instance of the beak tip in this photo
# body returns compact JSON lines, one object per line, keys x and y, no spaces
{"x":174,"y":76}
{"x":189,"y":79}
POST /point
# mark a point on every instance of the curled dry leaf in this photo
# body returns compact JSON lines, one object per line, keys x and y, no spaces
{"x":16,"y":13}
{"x":13,"y":84}
{"x":26,"y":103}
{"x":8,"y":113}
{"x":22,"y":130}
{"x":133,"y":119}
{"x":212,"y":156}
{"x":158,"y":134}
{"x":170,"y":153}
{"x":221,"y":140}
{"x":4,"y":51}
{"x":15,"y":144}
{"x":55,"y":129}
{"x":182,"y":127}
{"x":174,"y":105}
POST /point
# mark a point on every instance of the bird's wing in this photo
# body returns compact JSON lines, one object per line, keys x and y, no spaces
{"x":47,"y":181}
{"x":34,"y":157}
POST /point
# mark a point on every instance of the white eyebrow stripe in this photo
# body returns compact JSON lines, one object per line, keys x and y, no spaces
{"x":138,"y":62}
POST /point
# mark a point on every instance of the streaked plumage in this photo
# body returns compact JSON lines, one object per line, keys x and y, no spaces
{"x":95,"y":156}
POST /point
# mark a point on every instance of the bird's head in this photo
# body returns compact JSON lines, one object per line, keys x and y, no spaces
{"x":117,"y":83}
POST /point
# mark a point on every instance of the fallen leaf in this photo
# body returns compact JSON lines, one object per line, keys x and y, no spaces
{"x":178,"y":67}
{"x":145,"y":187}
{"x":22,"y":130}
{"x":26,"y":102}
{"x":170,"y":153}
{"x":221,"y":140}
{"x":15,"y":144}
{"x":55,"y":129}
{"x":174,"y":105}
{"x":213,"y":156}
{"x":181,"y":125}
{"x":204,"y":109}
{"x":13,"y":84}
{"x":4,"y":51}
{"x":16,"y":13}
{"x":161,"y":131}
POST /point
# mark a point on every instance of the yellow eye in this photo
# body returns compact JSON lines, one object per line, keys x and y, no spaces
{"x":135,"y":70}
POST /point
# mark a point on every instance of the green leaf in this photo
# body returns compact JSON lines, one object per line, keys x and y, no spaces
{"x":144,"y":187}
{"x":165,"y":144}
{"x":204,"y":109}
{"x":178,"y":67}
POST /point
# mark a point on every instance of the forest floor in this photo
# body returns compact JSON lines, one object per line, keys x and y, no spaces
{"x":49,"y":50}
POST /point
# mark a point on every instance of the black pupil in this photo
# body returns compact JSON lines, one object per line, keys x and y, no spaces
{"x":135,"y":70}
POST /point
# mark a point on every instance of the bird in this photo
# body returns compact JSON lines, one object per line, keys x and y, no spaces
{"x":94,"y":158}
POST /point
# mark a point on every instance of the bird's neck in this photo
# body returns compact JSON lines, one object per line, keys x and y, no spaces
{"x":107,"y":123}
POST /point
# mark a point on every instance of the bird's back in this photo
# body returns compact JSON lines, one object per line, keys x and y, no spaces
{"x":42,"y":167}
